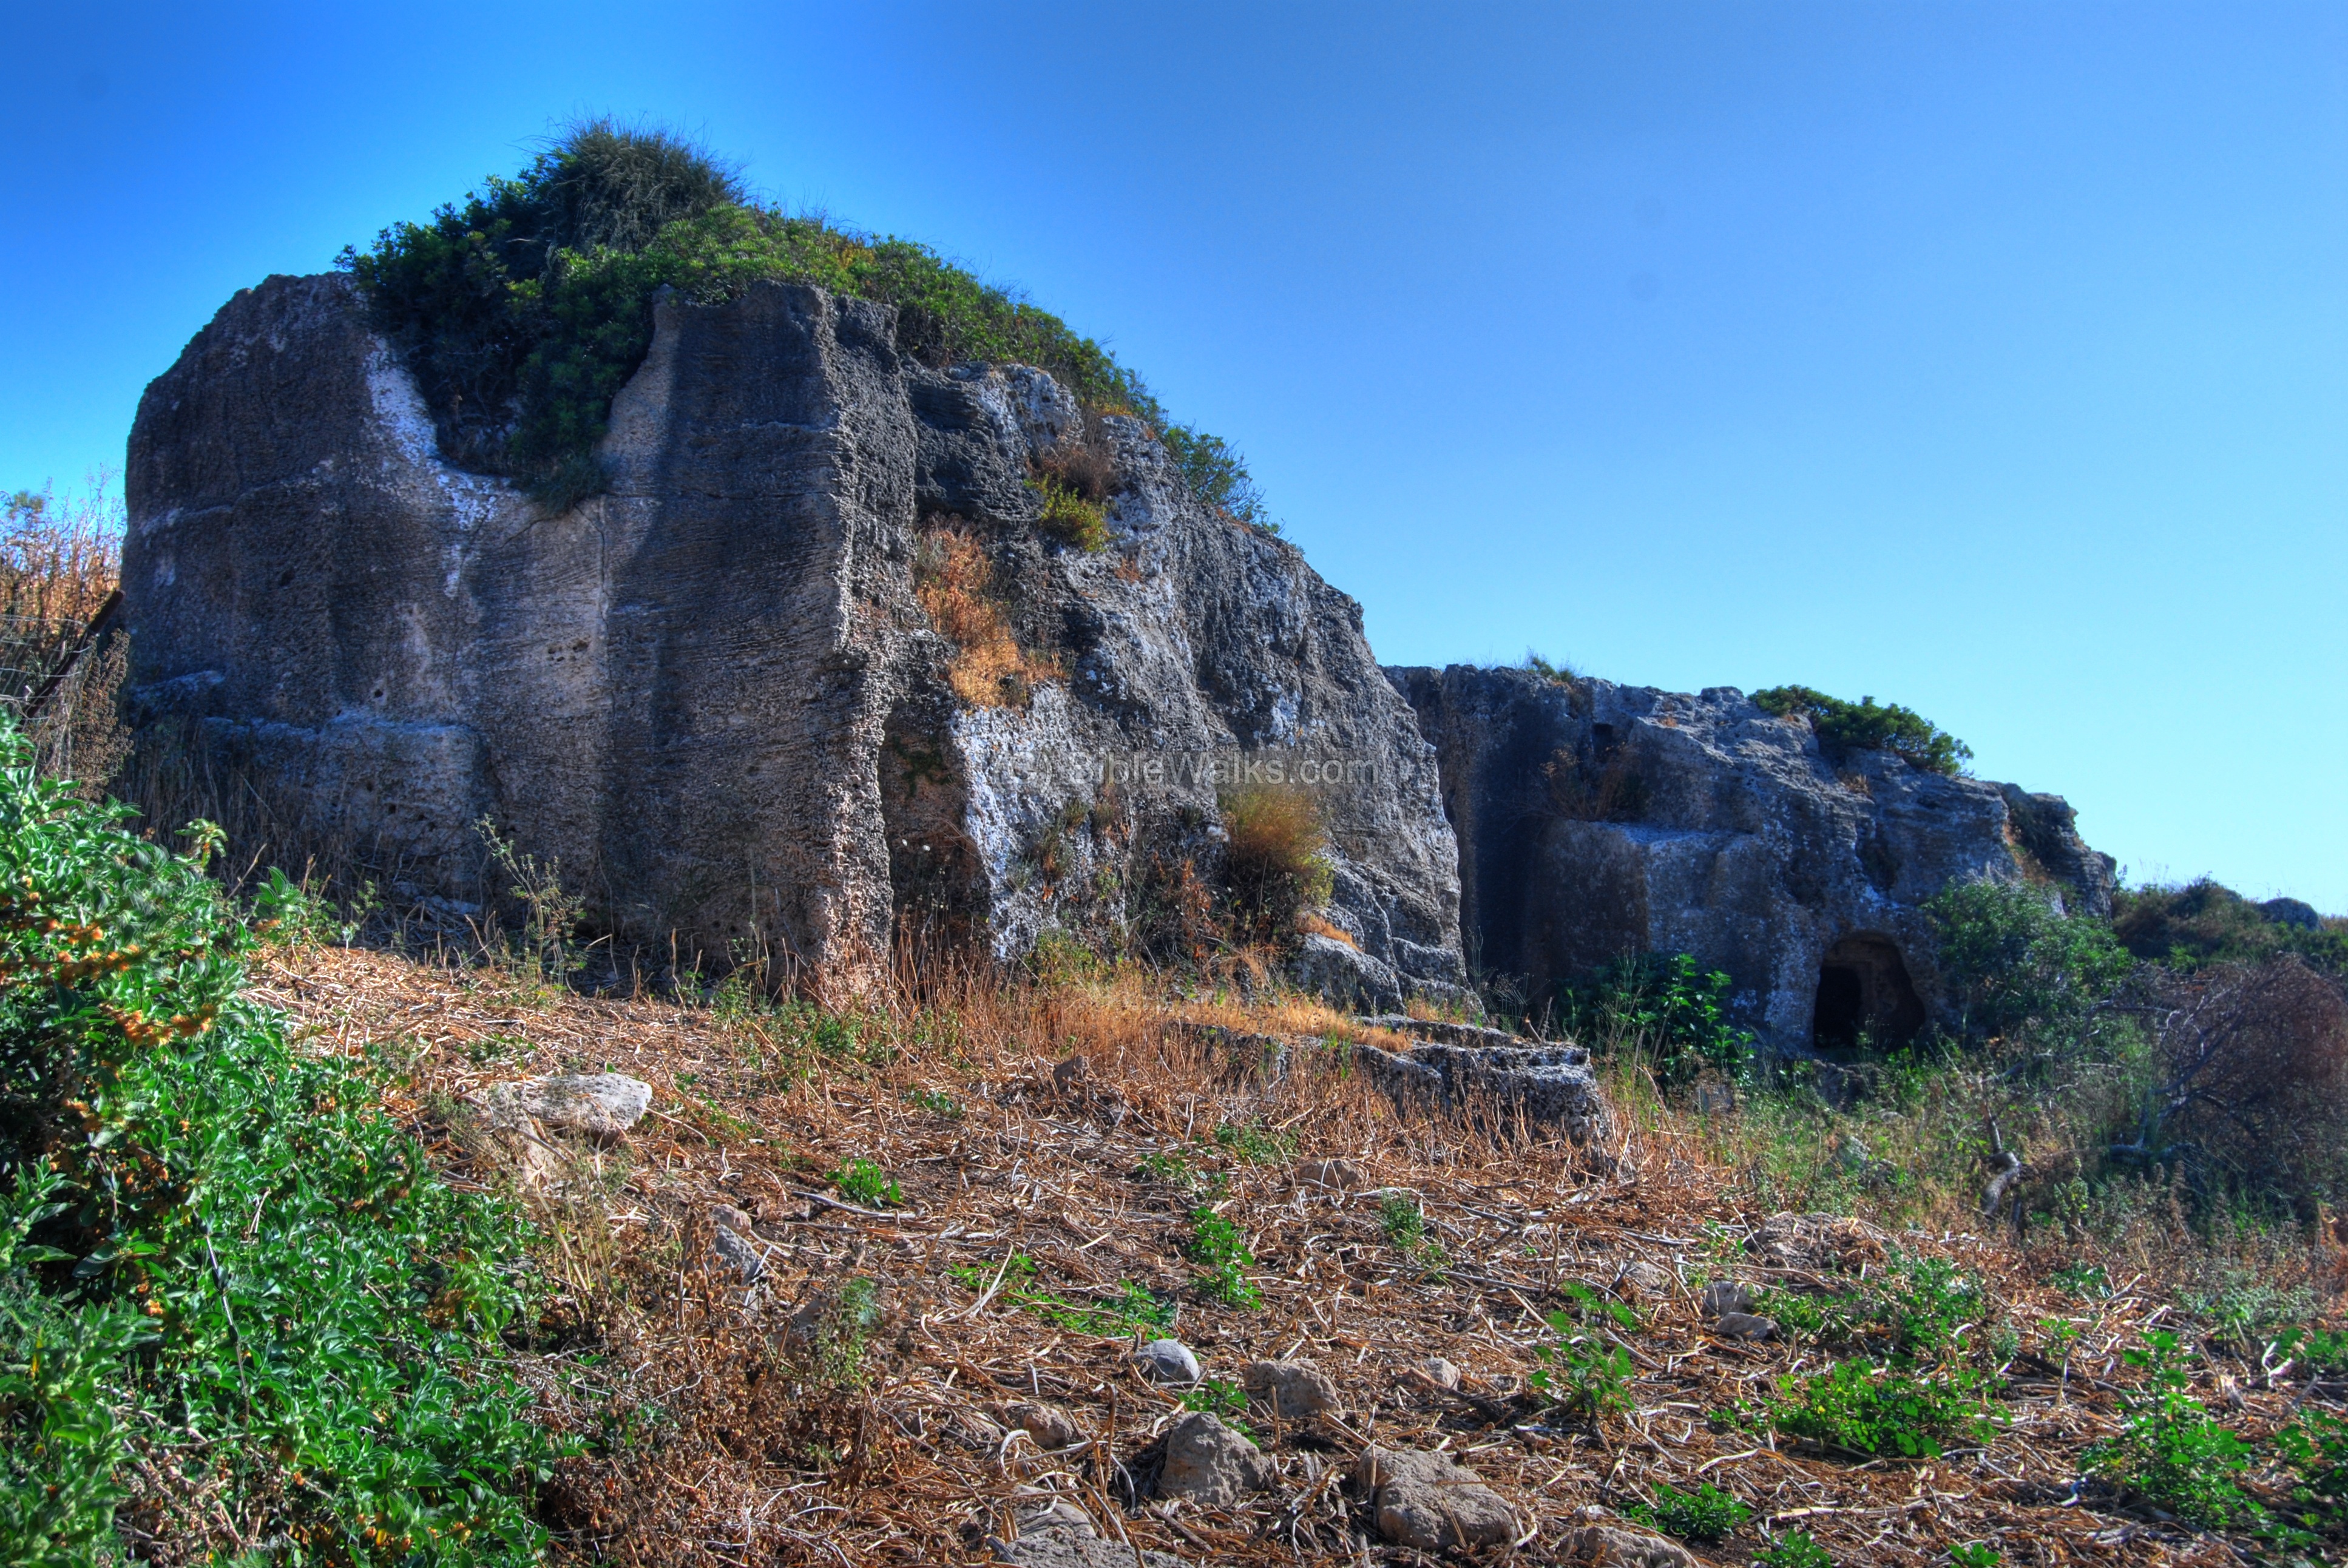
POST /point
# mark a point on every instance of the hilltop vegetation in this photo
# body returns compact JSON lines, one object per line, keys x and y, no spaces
{"x":526,"y":306}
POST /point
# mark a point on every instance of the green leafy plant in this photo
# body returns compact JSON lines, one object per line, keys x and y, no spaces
{"x":1858,"y":1407}
{"x":2019,"y":967}
{"x":1670,"y":1015}
{"x":1068,"y":517}
{"x":2169,"y":1450}
{"x":2086,"y":1280}
{"x":219,"y":1245}
{"x":838,"y":1335}
{"x":1218,"y":475}
{"x":1405,"y":1223}
{"x":861,"y":1181}
{"x":1976,"y":1554}
{"x":290,"y":914}
{"x":1707,"y":1514}
{"x":1796,"y":1551}
{"x":1583,"y":1373}
{"x":1130,"y":1307}
{"x":1843,"y":727}
{"x":1221,"y":1398}
{"x":1252,"y":1142}
{"x":2313,"y":1449}
{"x":936,"y":1101}
{"x":550,"y":915}
{"x":1219,"y":1245}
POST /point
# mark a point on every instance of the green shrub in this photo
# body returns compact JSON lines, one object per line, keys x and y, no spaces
{"x":1255,"y":1143}
{"x":525,"y":308}
{"x":2203,"y":921}
{"x":1843,"y":727}
{"x":1584,"y":1373}
{"x":1975,"y":1555}
{"x":1078,"y":523}
{"x":838,"y":1334}
{"x":2314,"y":1451}
{"x":1875,"y":1411}
{"x":2018,"y":967}
{"x":1796,"y":1551}
{"x":1405,"y":1223}
{"x":1705,"y":1514}
{"x":2169,"y":1450}
{"x":219,"y":1247}
{"x":1670,"y":1015}
{"x":1220,"y":1245}
{"x":861,"y":1181}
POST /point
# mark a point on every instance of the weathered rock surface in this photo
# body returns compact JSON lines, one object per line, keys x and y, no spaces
{"x":1745,"y":1325}
{"x":1491,"y":1070}
{"x":1209,"y":1464}
{"x":1722,"y":1298}
{"x":1606,"y":1544}
{"x":1059,"y":1534}
{"x":1168,"y":1361}
{"x":1050,"y":1426}
{"x":1294,"y":1390}
{"x":1597,"y":821}
{"x":1430,"y":1501}
{"x":600,"y":1105}
{"x":712,"y":693}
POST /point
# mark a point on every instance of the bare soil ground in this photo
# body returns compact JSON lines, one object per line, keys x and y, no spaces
{"x":712,"y":1435}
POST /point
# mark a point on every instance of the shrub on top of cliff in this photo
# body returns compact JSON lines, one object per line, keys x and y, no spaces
{"x":1843,"y":727}
{"x":2203,"y":922}
{"x":525,"y":308}
{"x":1276,"y":860}
{"x":234,"y":1293}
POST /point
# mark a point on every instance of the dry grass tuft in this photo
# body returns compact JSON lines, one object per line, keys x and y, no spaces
{"x":953,"y":580}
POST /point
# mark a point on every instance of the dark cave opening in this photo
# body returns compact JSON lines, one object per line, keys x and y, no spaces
{"x":1865,"y":996}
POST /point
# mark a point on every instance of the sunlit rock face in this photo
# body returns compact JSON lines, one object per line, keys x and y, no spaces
{"x":1598,"y":821}
{"x":716,"y":693}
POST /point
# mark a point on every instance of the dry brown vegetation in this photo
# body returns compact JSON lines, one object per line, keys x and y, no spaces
{"x":716,"y":1434}
{"x":953,"y":580}
{"x":60,"y":567}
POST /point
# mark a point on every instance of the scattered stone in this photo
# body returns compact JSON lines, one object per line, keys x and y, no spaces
{"x":726,"y":1217}
{"x":1295,"y":1390}
{"x":1617,"y":1548}
{"x":1168,"y":1361}
{"x":1048,"y":1425}
{"x":1431,"y":1501}
{"x":1342,"y":1174}
{"x":1652,"y":1281}
{"x":1816,"y":1242}
{"x":1723,"y":1296}
{"x":739,"y":1252}
{"x":1073,"y":1076}
{"x":1442,"y":1371}
{"x":1055,"y":1544}
{"x":600,"y":1105}
{"x":1746,"y":1326}
{"x":1208,"y":1463}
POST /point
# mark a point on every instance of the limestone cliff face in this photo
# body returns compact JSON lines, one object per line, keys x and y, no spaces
{"x":713,"y":692}
{"x":1597,"y":821}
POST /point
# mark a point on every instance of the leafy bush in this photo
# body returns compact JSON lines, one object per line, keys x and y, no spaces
{"x":1879,"y":1409}
{"x":2314,"y":1451}
{"x":1068,"y":517}
{"x":1584,"y":1373}
{"x":2018,"y":967}
{"x":2203,"y":921}
{"x":1220,"y":1245}
{"x":1671,"y":1014}
{"x":218,"y":1247}
{"x":1708,"y":1514}
{"x":1405,"y":1223}
{"x":526,"y":307}
{"x":1131,"y":1306}
{"x":2169,"y":1450}
{"x":1255,"y":1143}
{"x":1843,"y":727}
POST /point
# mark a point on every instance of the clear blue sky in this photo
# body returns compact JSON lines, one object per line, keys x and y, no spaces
{"x":1991,"y":358}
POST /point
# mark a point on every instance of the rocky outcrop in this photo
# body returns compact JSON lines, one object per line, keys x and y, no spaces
{"x":1597,"y":821}
{"x":716,"y":694}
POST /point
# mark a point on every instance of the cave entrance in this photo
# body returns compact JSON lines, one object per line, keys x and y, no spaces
{"x":1865,"y":996}
{"x":937,"y":883}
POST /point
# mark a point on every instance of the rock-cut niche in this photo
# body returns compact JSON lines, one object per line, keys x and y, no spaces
{"x":1864,"y":994}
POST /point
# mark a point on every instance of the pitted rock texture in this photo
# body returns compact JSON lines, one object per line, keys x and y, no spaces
{"x":1597,"y":821}
{"x":1489,"y":1071}
{"x":1430,"y":1501}
{"x":712,"y":693}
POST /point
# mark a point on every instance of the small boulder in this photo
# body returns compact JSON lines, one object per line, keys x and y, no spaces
{"x":1723,"y":1296}
{"x":1342,"y":1174}
{"x":1048,"y":1425}
{"x":1617,"y":1548}
{"x":1746,"y":1326}
{"x":1209,"y":1464}
{"x":1073,"y":1076}
{"x":1649,"y":1281}
{"x":1294,"y":1390}
{"x":1444,"y":1372}
{"x":739,"y":1252}
{"x":1342,"y":973}
{"x":1430,"y":1501}
{"x":600,"y":1105}
{"x":726,"y":1217}
{"x":1168,"y":1361}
